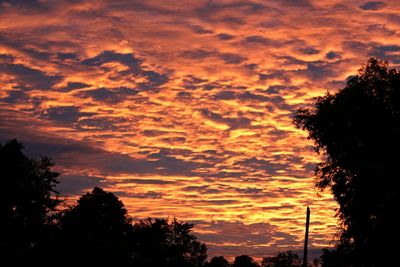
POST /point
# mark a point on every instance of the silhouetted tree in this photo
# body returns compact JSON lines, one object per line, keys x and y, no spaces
{"x":341,"y":255}
{"x":358,"y":129}
{"x":283,"y":259}
{"x":244,"y":261}
{"x":316,"y":262}
{"x":160,"y":242}
{"x":28,"y":200}
{"x":96,"y":231}
{"x":218,"y":261}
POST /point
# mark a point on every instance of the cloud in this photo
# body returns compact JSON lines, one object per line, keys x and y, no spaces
{"x":275,"y":75}
{"x":201,"y":189}
{"x":254,"y":97}
{"x":230,"y":58}
{"x":110,"y":56}
{"x":230,"y":122}
{"x":155,"y":79}
{"x":199,"y":29}
{"x":66,"y":56}
{"x":261,"y":164}
{"x":356,"y":45}
{"x":36,"y":51}
{"x":232,"y":232}
{"x":246,"y":97}
{"x":192,"y":82}
{"x":225,"y":95}
{"x":380,"y":29}
{"x":148,"y":195}
{"x":29,"y":77}
{"x":393,"y":18}
{"x":65,"y":114}
{"x":212,"y":202}
{"x":225,"y":36}
{"x":100,"y":123}
{"x":277,"y":89}
{"x":332,"y":55}
{"x":76,"y":184}
{"x":318,"y":70}
{"x":122,"y":164}
{"x":23,"y":5}
{"x":297,"y":3}
{"x":234,"y":21}
{"x":309,"y":51}
{"x":260,"y":40}
{"x":140,"y":6}
{"x":210,"y":10}
{"x":373,"y":5}
{"x":135,"y":67}
{"x":386,"y":52}
{"x":143,"y":181}
{"x":237,"y":238}
{"x":198,"y":54}
{"x":15,"y":96}
{"x":75,"y":85}
{"x":107,"y":163}
{"x":109,"y":95}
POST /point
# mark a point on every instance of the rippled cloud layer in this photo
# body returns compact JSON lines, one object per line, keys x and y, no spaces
{"x":184,"y":108}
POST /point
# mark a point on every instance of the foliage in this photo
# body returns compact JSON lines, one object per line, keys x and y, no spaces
{"x":341,"y":255}
{"x":244,"y":261}
{"x":160,"y":242}
{"x":218,"y":261}
{"x":28,"y":201}
{"x":358,"y":129}
{"x":283,"y":259}
{"x":96,"y":230}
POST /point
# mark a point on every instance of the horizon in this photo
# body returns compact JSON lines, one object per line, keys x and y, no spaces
{"x":184,"y":108}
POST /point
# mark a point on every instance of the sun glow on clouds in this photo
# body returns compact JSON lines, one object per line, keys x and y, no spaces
{"x":184,"y":108}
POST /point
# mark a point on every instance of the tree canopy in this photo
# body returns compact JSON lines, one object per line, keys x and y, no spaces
{"x":244,"y":261}
{"x":169,"y":243}
{"x":96,"y":230}
{"x":358,"y":129}
{"x":282,"y":259}
{"x":218,"y":261}
{"x":28,"y":201}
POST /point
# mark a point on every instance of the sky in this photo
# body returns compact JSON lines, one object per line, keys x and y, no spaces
{"x":184,"y":108}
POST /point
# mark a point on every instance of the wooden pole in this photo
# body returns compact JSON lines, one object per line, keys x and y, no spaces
{"x":305,"y":260}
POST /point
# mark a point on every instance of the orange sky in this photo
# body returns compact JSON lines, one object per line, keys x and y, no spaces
{"x":184,"y":108}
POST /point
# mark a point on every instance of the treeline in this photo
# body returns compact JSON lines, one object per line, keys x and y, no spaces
{"x":38,"y":229}
{"x":283,"y":259}
{"x":358,"y":131}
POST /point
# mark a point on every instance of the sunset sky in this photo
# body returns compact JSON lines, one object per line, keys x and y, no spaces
{"x":184,"y":108}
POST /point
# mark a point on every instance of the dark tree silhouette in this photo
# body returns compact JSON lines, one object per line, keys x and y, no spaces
{"x":244,"y":261}
{"x":283,"y":259}
{"x":218,"y":261}
{"x":160,"y":242}
{"x":358,"y":129}
{"x":28,"y":200}
{"x":96,"y":231}
{"x":342,"y":256}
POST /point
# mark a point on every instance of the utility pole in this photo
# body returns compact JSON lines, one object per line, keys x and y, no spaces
{"x":305,"y":261}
